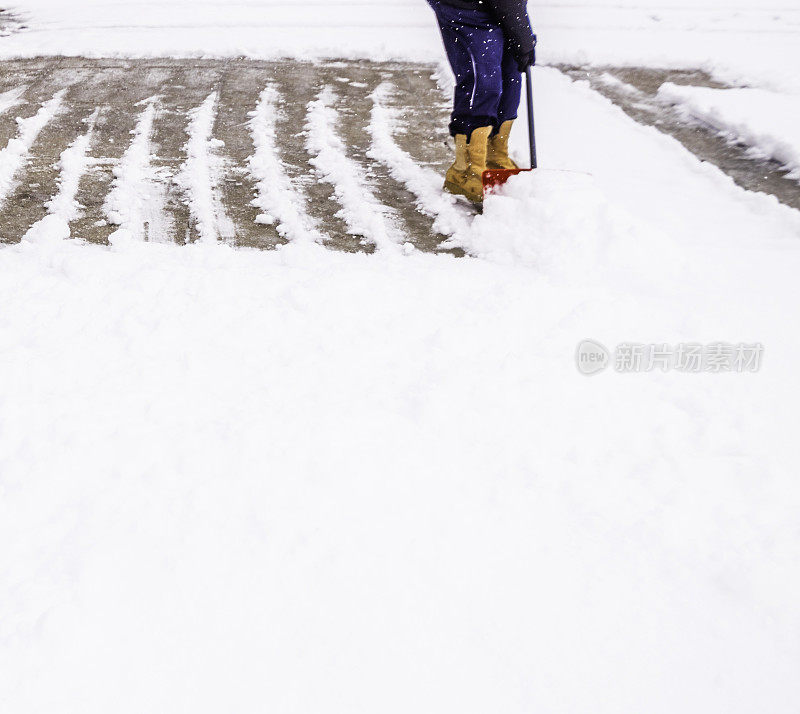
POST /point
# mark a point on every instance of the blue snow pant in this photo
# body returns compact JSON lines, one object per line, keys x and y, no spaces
{"x":488,"y":82}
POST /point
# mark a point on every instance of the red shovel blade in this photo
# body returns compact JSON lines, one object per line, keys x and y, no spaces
{"x":494,"y":178}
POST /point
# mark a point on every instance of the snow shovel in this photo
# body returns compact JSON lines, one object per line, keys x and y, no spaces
{"x":492,"y":178}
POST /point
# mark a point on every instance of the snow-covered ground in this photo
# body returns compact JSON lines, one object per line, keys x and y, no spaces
{"x":767,"y":121}
{"x":739,"y":39}
{"x":309,"y":481}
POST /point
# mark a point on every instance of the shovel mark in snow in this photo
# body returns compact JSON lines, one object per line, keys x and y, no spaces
{"x":15,"y":154}
{"x":136,"y":200}
{"x":423,"y":182}
{"x":361,"y":210}
{"x":277,"y":197}
{"x":64,"y":207}
{"x":201,"y":174}
{"x":73,"y":164}
{"x":11,"y":98}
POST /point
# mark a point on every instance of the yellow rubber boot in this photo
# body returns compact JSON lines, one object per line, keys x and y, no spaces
{"x":498,"y":157}
{"x":477,"y":153}
{"x":457,"y":173}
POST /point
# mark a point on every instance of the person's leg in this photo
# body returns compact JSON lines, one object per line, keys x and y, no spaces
{"x":474,"y":45}
{"x":508,"y":109}
{"x":512,"y":89}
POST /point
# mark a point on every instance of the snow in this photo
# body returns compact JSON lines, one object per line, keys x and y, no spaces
{"x":15,"y":154}
{"x":64,"y":208}
{"x":308,"y":481}
{"x":135,"y":202}
{"x":423,"y":182}
{"x":277,"y":196}
{"x":201,"y":173}
{"x":765,"y":120}
{"x":11,"y":98}
{"x":364,"y":471}
{"x":735,"y":38}
{"x":658,"y":175}
{"x":361,"y":211}
{"x":227,"y":475}
{"x":73,"y":164}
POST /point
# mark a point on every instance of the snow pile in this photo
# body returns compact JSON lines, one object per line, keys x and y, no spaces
{"x":766,"y":120}
{"x":557,"y":221}
{"x":52,"y":229}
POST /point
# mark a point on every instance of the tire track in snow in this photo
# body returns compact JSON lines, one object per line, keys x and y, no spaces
{"x":278,"y":199}
{"x":15,"y":154}
{"x":361,"y":210}
{"x":424,"y":183}
{"x":201,"y":173}
{"x":136,"y":200}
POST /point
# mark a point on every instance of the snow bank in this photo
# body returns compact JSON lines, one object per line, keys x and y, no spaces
{"x":767,"y":121}
{"x":735,"y":39}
